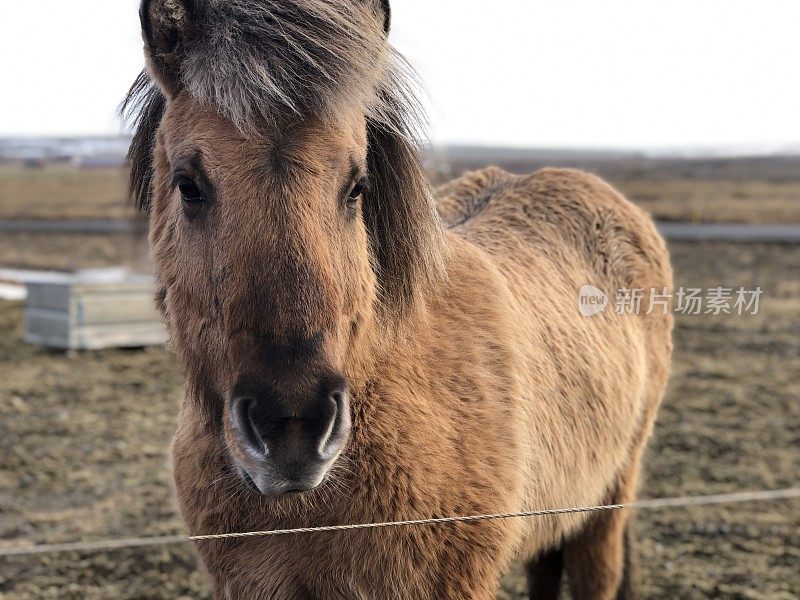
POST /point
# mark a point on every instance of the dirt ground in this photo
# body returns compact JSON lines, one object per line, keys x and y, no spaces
{"x":83,"y":441}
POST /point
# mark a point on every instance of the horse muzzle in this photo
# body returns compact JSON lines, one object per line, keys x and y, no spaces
{"x":287,"y":443}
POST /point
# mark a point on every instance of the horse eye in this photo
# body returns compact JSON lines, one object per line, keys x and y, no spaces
{"x":358,"y":190}
{"x":190,"y":193}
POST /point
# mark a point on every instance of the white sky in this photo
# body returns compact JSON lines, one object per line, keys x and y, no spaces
{"x":592,"y":73}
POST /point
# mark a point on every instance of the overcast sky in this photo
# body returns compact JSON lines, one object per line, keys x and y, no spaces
{"x":597,"y":73}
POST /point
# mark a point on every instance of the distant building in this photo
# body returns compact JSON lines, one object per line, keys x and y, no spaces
{"x":83,"y":152}
{"x":99,"y":161}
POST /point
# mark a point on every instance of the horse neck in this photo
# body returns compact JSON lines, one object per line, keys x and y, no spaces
{"x":394,"y":335}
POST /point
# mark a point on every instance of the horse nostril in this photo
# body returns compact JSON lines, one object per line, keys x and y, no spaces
{"x":248,"y":480}
{"x":339,"y":424}
{"x":287,"y":440}
{"x":245,"y":425}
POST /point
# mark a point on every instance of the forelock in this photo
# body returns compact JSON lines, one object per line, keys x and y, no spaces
{"x":254,"y":60}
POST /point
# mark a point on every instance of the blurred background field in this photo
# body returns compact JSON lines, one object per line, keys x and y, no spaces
{"x":58,"y":191}
{"x":41,"y":185}
{"x":84,"y":436}
{"x":710,"y":190}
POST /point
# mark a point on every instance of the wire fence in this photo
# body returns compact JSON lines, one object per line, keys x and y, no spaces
{"x":652,"y":504}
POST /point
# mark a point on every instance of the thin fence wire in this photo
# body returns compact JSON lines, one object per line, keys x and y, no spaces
{"x":653,"y":504}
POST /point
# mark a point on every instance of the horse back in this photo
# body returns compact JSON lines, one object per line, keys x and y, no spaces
{"x":556,"y":230}
{"x":565,"y":214}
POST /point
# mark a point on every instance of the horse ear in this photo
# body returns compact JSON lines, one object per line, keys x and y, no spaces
{"x":387,"y":16}
{"x":167,"y":27}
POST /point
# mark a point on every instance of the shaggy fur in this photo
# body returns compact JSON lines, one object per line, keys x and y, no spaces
{"x":259,"y":59}
{"x":475,"y":385}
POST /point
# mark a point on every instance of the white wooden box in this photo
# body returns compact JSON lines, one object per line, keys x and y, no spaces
{"x":93,"y":309}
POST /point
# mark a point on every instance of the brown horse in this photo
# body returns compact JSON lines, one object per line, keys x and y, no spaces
{"x":353,"y":355}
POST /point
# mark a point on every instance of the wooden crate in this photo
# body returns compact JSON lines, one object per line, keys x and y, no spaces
{"x":93,"y":310}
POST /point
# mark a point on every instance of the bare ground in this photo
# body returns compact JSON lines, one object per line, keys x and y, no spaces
{"x":83,"y":441}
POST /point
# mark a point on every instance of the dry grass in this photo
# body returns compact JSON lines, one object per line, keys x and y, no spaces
{"x":64,"y":192}
{"x":716,"y":201}
{"x":68,"y":251}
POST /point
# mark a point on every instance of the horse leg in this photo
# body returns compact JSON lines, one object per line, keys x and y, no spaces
{"x":544,"y":575}
{"x":598,"y":559}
